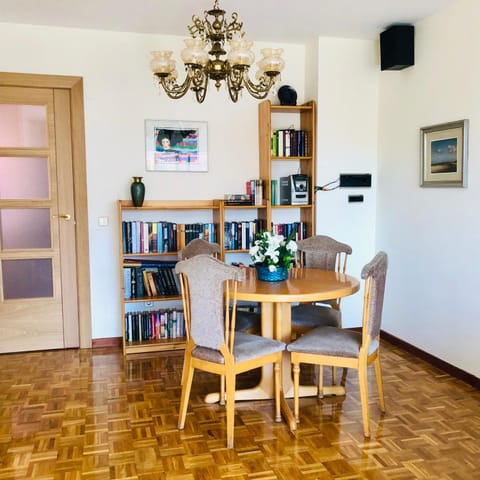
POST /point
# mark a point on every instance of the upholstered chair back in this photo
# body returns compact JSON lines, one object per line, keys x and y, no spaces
{"x":199,"y":246}
{"x":321,"y":251}
{"x":375,"y":272}
{"x":205,"y":279}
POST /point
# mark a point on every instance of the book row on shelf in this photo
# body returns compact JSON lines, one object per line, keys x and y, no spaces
{"x":154,"y":325}
{"x":286,"y":229}
{"x":158,"y":237}
{"x":240,"y":235}
{"x":153,"y":278}
{"x":289,"y":143}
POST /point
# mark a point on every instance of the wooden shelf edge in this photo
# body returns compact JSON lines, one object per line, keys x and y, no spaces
{"x":292,"y":108}
{"x":291,"y":157}
{"x":152,"y":299}
{"x":171,"y":205}
{"x":308,"y":205}
{"x":160,"y":346}
{"x":250,"y":207}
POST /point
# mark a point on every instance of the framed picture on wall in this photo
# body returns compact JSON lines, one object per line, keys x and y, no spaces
{"x":176,"y":146}
{"x":444,"y":150}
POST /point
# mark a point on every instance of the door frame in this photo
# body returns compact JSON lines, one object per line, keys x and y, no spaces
{"x":75,"y":87}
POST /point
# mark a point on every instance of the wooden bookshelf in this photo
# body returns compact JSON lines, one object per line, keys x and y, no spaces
{"x":274,"y":117}
{"x":168,"y":211}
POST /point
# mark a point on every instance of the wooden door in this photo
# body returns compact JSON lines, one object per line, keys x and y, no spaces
{"x":38,"y":254}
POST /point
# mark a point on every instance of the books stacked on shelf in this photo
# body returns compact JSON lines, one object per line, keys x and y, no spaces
{"x":154,"y":325}
{"x":289,"y":143}
{"x":254,"y":188}
{"x":149,"y":278}
{"x":240,"y":235}
{"x":286,"y":228}
{"x":161,"y":237}
{"x":186,"y":232}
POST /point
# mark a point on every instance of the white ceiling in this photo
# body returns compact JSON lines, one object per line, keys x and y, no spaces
{"x":264,"y":20}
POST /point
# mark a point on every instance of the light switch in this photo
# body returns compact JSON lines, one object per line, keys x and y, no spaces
{"x":103,"y":221}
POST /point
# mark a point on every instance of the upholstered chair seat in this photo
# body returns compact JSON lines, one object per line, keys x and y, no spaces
{"x":326,"y":253}
{"x":306,"y":316}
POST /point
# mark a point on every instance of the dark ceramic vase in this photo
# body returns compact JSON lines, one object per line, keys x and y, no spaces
{"x":137,"y":189}
{"x":287,"y":95}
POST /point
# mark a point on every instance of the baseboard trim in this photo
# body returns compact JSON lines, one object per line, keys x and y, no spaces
{"x":107,"y":342}
{"x":432,"y":360}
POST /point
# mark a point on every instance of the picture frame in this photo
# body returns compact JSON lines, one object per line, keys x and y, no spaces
{"x":444,"y":152}
{"x":176,"y":146}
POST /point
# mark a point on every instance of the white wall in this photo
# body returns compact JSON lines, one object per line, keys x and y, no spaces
{"x":347,"y":143}
{"x":119,"y":96}
{"x":432,"y":234}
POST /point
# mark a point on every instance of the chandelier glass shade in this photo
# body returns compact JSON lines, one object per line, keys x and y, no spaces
{"x":205,"y":59}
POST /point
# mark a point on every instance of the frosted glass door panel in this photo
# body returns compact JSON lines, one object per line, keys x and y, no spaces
{"x":27,"y":228}
{"x":23,"y":126}
{"x":30,"y":278}
{"x":23,"y":177}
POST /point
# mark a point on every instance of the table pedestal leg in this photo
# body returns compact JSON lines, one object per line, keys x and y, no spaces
{"x":278,"y":326}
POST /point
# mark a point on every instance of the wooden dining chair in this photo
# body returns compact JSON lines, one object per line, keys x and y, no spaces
{"x":338,"y":347}
{"x":246,"y":321}
{"x":209,"y":286}
{"x":326,"y":253}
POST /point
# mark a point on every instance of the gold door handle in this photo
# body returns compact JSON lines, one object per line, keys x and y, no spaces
{"x":65,"y":216}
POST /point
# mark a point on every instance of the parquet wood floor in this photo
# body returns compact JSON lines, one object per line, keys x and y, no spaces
{"x":92,"y":415}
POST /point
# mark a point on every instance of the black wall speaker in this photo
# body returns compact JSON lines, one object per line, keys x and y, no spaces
{"x":397,"y":47}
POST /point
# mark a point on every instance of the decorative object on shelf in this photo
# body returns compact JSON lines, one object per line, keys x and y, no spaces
{"x":444,"y":155}
{"x":176,"y":146}
{"x":137,"y":189}
{"x":273,"y":255}
{"x":238,"y":199}
{"x":287,"y":95}
{"x":213,"y":32}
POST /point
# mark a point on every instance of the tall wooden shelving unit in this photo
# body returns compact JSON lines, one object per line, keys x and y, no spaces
{"x":272,"y":117}
{"x":126,"y":208}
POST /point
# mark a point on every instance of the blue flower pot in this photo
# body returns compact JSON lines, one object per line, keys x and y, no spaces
{"x":264,"y":274}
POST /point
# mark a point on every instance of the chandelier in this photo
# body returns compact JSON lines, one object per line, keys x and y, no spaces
{"x":213,"y":32}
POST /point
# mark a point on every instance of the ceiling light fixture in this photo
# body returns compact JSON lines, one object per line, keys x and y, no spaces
{"x":201,"y":66}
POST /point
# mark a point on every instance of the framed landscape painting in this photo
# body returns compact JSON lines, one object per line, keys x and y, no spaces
{"x":176,"y":146}
{"x":444,"y":151}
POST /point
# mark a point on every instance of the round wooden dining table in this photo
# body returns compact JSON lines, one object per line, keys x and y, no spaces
{"x":276,"y":298}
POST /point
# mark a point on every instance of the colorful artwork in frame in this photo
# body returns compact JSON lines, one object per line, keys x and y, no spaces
{"x":176,"y":146}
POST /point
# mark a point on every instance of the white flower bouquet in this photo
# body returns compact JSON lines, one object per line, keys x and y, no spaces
{"x":273,"y":251}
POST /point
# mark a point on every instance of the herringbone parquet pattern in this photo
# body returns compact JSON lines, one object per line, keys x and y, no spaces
{"x":92,"y":415}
